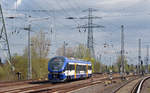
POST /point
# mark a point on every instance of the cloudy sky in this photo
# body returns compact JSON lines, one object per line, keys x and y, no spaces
{"x":133,"y":14}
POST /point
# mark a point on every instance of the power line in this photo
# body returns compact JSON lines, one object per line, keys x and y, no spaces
{"x":72,"y":6}
{"x":90,"y":26}
{"x":65,"y":12}
{"x":77,"y":4}
{"x":47,"y":13}
{"x":76,"y":10}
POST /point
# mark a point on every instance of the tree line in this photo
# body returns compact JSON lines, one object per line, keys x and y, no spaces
{"x":40,"y":49}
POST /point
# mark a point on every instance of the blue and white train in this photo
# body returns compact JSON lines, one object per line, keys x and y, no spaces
{"x":62,"y":69}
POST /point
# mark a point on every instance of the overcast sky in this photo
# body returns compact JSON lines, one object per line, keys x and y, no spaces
{"x":133,"y":14}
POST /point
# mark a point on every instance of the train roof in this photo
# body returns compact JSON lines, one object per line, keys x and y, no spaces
{"x":77,"y":60}
{"x":74,"y":60}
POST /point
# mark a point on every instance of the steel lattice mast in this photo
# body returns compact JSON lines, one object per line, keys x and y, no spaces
{"x":90,"y":26}
{"x":4,"y":40}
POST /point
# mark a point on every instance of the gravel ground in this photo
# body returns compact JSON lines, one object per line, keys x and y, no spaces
{"x":98,"y":88}
{"x":103,"y":88}
{"x":128,"y":88}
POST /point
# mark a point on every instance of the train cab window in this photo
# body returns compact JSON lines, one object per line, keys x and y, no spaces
{"x":56,"y":63}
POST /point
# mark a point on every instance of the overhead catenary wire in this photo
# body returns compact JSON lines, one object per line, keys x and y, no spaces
{"x":48,"y":13}
{"x":78,"y":6}
{"x":74,"y":8}
{"x":65,"y":12}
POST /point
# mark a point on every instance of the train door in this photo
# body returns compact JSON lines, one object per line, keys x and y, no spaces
{"x":86,"y":70}
{"x":75,"y":66}
{"x":67,"y":69}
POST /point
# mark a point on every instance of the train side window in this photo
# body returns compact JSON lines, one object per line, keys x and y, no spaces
{"x":77,"y":68}
{"x":89,"y":67}
{"x":84,"y":67}
{"x":80,"y":67}
{"x":71,"y":67}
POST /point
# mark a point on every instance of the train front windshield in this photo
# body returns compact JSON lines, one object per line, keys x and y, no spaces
{"x":56,"y":64}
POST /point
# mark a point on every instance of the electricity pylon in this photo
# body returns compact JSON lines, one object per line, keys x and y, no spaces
{"x":89,"y":26}
{"x":4,"y":44}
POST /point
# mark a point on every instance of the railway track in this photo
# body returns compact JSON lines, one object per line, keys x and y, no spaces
{"x":139,"y":85}
{"x":60,"y":87}
{"x":69,"y":88}
{"x":132,"y":86}
{"x":13,"y":83}
{"x":39,"y":87}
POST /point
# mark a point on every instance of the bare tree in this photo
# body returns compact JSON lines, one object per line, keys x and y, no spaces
{"x":82,"y":52}
{"x":40,"y":45}
{"x":69,"y":52}
{"x":78,"y":52}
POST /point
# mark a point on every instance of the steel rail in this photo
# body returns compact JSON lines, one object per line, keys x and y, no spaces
{"x":141,"y":83}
